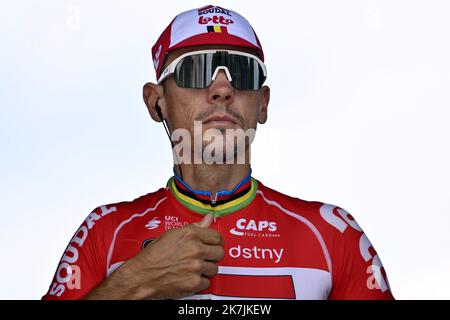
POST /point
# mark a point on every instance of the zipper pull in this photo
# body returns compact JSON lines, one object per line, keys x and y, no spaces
{"x":214,"y":199}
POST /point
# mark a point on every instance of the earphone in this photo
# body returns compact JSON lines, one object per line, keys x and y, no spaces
{"x":158,"y":111}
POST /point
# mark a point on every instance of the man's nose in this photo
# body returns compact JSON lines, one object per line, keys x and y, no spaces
{"x":220,"y":90}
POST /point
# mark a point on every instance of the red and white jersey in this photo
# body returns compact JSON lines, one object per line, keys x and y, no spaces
{"x":276,"y":246}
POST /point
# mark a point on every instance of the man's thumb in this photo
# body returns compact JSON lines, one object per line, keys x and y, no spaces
{"x":206,"y":221}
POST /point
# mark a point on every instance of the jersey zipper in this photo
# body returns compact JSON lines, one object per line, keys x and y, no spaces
{"x":214,"y":198}
{"x":213,"y":287}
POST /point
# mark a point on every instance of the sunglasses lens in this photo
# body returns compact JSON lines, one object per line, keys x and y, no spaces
{"x":246,"y":73}
{"x":192,"y":72}
{"x":196,"y":71}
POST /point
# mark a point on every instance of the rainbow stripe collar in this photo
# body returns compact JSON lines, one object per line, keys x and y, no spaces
{"x":225,"y":202}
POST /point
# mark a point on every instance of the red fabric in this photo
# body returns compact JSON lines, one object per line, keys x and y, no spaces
{"x":322,"y":255}
{"x":277,"y":287}
{"x":162,"y":45}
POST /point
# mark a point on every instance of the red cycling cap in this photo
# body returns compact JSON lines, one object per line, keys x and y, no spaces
{"x":202,"y":26}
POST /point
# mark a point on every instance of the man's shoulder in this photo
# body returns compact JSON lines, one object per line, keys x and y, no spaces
{"x":324,"y":216}
{"x":288,"y":202}
{"x":122,"y":210}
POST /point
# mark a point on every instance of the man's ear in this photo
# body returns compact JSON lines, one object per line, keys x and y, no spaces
{"x":152,"y":94}
{"x":265,"y":98}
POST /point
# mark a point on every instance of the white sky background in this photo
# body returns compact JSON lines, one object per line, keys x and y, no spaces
{"x":358,"y":118}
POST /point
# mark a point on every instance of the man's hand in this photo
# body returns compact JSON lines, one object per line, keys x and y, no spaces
{"x":177,"y":264}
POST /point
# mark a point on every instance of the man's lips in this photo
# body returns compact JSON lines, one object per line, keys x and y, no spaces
{"x":219,"y":120}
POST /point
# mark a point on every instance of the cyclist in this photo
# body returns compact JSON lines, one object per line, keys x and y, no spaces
{"x":215,"y":231}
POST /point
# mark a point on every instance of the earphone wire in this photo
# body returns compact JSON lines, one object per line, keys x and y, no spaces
{"x":166,"y":128}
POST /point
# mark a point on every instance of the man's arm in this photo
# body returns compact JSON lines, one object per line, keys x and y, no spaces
{"x":177,"y":264}
{"x":81,"y":267}
{"x":356,"y":267}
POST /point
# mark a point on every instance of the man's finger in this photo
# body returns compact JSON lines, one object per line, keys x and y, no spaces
{"x":209,"y":236}
{"x":206,"y":221}
{"x":213,"y":253}
{"x":210,"y":269}
{"x":204,"y":284}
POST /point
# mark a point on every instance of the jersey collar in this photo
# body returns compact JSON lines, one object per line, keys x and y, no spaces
{"x":225,"y":202}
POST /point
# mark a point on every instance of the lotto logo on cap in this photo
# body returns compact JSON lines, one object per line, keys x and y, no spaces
{"x":204,"y":26}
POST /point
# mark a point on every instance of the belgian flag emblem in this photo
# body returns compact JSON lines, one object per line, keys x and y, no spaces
{"x":217,"y":29}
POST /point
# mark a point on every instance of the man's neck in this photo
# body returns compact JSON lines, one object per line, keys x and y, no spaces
{"x":213,"y":178}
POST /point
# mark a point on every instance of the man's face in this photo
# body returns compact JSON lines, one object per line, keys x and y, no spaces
{"x":219,"y":106}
